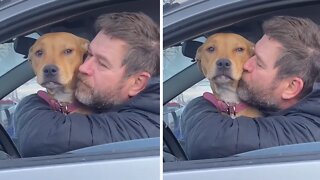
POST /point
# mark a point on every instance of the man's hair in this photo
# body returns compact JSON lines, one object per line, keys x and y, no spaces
{"x":300,"y":38}
{"x":142,"y":35}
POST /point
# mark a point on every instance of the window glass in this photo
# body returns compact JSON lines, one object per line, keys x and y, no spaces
{"x":8,"y":60}
{"x":174,"y":62}
{"x":172,"y":110}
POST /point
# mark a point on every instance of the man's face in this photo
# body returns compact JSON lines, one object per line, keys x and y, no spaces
{"x":102,"y":81}
{"x":259,"y":86}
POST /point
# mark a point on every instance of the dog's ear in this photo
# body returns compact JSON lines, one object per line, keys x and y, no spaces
{"x":84,"y":44}
{"x":251,"y":48}
{"x":30,"y":53}
{"x":198,"y":54}
{"x":198,"y":58}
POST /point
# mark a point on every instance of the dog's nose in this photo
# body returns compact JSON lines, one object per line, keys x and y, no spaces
{"x":50,"y":70}
{"x":223,"y":64}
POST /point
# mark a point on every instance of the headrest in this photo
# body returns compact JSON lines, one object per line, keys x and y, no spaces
{"x":22,"y":45}
{"x":189,"y":48}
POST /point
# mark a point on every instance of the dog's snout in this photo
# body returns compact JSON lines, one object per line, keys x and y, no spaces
{"x":50,"y":70}
{"x":223,"y":64}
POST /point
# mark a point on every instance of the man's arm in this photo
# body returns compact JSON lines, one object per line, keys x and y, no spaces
{"x":210,"y":134}
{"x":42,"y":131}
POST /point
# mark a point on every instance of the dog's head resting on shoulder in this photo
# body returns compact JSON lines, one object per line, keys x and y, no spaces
{"x":221,"y":59}
{"x":55,"y":59}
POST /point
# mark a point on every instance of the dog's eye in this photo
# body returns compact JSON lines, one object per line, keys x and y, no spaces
{"x":210,"y":49}
{"x":239,"y":49}
{"x":68,"y":51}
{"x":39,"y":53}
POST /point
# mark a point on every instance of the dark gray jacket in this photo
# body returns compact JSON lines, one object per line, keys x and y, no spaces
{"x":209,"y":134}
{"x":42,"y":131}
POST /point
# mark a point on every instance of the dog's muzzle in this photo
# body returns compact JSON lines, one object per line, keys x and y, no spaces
{"x":50,"y":71}
{"x":50,"y":77}
{"x":223,"y":69}
{"x":223,"y":64}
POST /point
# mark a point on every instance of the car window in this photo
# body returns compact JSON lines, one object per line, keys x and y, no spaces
{"x":225,"y":168}
{"x":9,"y":59}
{"x":172,"y":110}
{"x":76,"y":17}
{"x":175,"y":62}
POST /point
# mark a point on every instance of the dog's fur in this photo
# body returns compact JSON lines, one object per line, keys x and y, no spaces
{"x":55,"y":59}
{"x":221,"y":59}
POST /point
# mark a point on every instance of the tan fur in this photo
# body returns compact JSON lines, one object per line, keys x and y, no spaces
{"x":65,"y":51}
{"x":237,"y":50}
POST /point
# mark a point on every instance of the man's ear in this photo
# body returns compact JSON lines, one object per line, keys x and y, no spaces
{"x":293,"y":88}
{"x":138,"y":82}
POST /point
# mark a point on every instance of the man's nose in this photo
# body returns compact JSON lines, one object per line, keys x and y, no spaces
{"x":86,"y":66}
{"x":249,"y":65}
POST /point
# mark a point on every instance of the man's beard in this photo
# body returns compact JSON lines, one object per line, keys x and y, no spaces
{"x":87,"y":95}
{"x":258,"y":98}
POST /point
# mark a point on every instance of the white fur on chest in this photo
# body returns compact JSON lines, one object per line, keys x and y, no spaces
{"x":227,"y":94}
{"x":62,"y":96}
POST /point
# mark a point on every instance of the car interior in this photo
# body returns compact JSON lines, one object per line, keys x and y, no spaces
{"x":249,"y":26}
{"x":76,"y":18}
{"x":79,"y":23}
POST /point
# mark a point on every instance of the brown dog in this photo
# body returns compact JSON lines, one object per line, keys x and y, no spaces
{"x":55,"y":59}
{"x":221,"y":59}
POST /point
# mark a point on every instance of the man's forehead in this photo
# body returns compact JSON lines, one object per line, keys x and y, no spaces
{"x":108,"y":48}
{"x":102,"y":38}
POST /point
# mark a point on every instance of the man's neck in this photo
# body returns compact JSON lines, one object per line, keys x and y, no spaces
{"x":288,"y":103}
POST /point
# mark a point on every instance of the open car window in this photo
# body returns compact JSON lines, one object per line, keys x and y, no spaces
{"x":34,"y":18}
{"x":174,"y":60}
{"x":10,"y":57}
{"x":244,"y":18}
{"x":173,"y":110}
